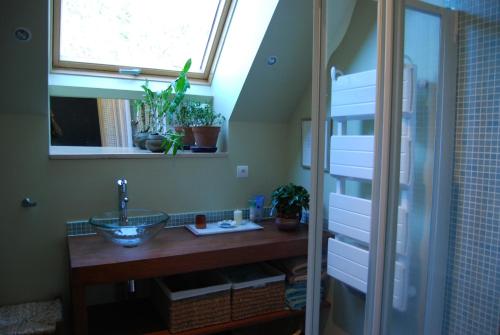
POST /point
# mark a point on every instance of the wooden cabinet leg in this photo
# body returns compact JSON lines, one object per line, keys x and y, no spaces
{"x":80,"y":326}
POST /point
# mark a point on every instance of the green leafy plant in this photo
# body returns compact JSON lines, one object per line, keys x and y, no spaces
{"x":172,"y":140}
{"x":143,"y":117}
{"x":184,"y":115}
{"x":204,"y":115}
{"x":149,"y":106}
{"x":288,"y":200}
{"x":160,"y":106}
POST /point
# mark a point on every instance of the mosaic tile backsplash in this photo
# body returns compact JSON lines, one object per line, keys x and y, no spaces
{"x":472,"y":304}
{"x":82,"y":227}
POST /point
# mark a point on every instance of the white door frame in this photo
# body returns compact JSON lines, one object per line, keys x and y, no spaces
{"x":385,"y":192}
{"x":385,"y":98}
{"x":317,"y":170}
{"x":385,"y":188}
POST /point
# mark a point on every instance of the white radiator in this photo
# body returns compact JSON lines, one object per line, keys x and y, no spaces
{"x":354,"y":95}
{"x":352,"y":157}
{"x":348,"y":263}
{"x":350,"y":216}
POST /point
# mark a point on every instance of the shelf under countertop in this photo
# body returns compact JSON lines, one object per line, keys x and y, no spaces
{"x":94,"y":260}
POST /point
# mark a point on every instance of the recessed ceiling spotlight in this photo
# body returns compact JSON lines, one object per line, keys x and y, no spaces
{"x":271,"y":60}
{"x":22,"y":34}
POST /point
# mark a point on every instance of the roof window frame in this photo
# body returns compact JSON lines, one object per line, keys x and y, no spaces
{"x":216,"y":41}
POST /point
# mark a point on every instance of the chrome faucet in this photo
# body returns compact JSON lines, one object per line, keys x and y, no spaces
{"x":122,"y":201}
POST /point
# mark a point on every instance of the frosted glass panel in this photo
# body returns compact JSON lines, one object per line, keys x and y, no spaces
{"x":422,"y":53}
{"x":349,"y":51}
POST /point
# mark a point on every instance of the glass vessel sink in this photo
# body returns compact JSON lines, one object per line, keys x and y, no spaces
{"x":137,"y":227}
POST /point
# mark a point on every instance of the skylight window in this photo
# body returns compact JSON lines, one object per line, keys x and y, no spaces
{"x":154,"y":36}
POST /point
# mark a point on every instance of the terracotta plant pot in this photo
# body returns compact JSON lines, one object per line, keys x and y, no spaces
{"x":140,"y":140}
{"x":287,"y":224}
{"x":154,"y":141}
{"x":188,"y":139}
{"x":206,"y":136}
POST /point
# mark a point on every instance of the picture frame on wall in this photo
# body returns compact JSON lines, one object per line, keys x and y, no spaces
{"x":306,"y":136}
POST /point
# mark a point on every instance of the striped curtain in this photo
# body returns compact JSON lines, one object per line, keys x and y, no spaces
{"x":115,"y":122}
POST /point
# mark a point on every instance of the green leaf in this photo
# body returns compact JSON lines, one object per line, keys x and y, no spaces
{"x":166,"y":145}
{"x":160,"y":107}
{"x":187,"y":66}
{"x":180,"y":83}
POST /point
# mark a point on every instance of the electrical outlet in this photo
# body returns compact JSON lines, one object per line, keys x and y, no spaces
{"x":242,"y":171}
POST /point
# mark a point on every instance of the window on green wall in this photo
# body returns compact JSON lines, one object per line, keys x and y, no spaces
{"x":153,"y":37}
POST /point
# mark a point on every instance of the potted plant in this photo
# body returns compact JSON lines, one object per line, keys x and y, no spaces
{"x":182,"y":121}
{"x":153,"y":105}
{"x":288,"y":202}
{"x":159,"y":105}
{"x":142,"y":123}
{"x":206,"y":127}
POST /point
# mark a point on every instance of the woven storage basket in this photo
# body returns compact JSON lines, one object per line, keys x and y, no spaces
{"x":257,"y":289}
{"x":185,"y":306}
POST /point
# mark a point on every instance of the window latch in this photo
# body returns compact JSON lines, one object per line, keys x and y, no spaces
{"x":131,"y":72}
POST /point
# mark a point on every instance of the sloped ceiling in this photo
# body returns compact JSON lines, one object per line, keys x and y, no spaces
{"x":271,"y":93}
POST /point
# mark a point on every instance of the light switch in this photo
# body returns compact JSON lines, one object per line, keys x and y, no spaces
{"x":242,"y":171}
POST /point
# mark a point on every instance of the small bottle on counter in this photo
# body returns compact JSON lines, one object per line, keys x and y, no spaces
{"x":252,"y":211}
{"x":259,"y":208}
{"x":238,"y":217}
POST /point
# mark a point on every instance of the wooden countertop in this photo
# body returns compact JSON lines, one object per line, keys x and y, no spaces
{"x":176,"y":250}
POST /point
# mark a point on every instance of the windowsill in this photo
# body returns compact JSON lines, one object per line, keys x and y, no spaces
{"x":73,"y":152}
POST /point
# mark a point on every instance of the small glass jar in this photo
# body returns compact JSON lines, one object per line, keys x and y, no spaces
{"x":200,"y":221}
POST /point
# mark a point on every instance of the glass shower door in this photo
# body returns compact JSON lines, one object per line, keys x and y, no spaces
{"x":417,"y":236}
{"x":386,"y":196}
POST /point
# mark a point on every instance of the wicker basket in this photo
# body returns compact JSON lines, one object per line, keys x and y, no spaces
{"x":261,"y":290}
{"x":189,"y":308}
{"x":250,"y":302}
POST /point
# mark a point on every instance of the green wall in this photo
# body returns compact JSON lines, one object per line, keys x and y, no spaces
{"x":33,"y":253}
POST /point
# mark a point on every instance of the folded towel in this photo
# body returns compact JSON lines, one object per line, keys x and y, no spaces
{"x":298,"y":285}
{"x":297,"y":303}
{"x":296,"y":294}
{"x":292,"y":279}
{"x":297,"y":306}
{"x":295,"y":268}
{"x":297,"y":278}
